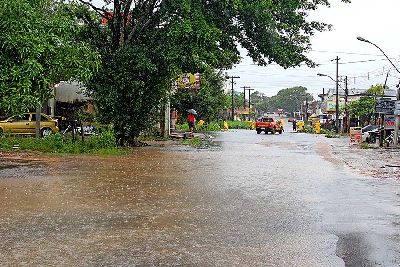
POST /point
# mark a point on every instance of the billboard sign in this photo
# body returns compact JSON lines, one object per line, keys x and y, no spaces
{"x":389,"y":122}
{"x":331,"y":106}
{"x":189,"y":81}
{"x":397,"y":108}
{"x":385,"y":106}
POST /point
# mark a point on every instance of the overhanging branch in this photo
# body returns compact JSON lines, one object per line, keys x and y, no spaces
{"x":98,"y":10}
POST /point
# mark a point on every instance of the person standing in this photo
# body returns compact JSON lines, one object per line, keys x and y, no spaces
{"x":191,"y":120}
{"x":294,"y":124}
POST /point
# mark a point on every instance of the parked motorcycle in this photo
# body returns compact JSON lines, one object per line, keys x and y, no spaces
{"x":374,"y":135}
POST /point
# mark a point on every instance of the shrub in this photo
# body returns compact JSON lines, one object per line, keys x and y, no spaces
{"x":238,"y":124}
{"x":309,"y":129}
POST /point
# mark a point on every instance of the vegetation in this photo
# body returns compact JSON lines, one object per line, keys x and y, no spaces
{"x":129,"y":56}
{"x":104,"y":143}
{"x":38,"y":50}
{"x":198,"y":142}
{"x":289,"y":99}
{"x":146,"y":44}
{"x":331,"y":134}
{"x":210,"y":102}
{"x":364,"y":108}
{"x":216,"y":126}
{"x":238,"y":124}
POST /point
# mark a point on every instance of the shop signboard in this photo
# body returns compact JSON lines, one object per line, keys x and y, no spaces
{"x":385,"y":106}
{"x":331,"y":106}
{"x":397,"y":108}
{"x":389,"y":122}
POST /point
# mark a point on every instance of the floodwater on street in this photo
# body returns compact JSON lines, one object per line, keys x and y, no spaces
{"x":252,"y":200}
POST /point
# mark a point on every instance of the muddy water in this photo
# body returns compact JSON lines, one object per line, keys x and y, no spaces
{"x":256,"y":200}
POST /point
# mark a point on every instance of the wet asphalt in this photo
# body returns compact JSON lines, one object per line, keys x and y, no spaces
{"x":250,"y":200}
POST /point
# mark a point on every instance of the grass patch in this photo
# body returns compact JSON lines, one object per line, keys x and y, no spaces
{"x":238,"y":124}
{"x":365,"y":146}
{"x":216,"y":126}
{"x":197,"y":142}
{"x":104,"y":143}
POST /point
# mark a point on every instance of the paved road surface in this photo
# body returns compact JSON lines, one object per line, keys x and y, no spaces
{"x":254,"y":200}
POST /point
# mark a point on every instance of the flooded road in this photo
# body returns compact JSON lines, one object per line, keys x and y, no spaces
{"x":254,"y":200}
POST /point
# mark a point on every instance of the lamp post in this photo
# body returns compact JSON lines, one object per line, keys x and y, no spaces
{"x":337,"y":99}
{"x":397,"y":117}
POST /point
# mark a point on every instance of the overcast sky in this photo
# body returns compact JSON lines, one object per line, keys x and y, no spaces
{"x":363,"y":63}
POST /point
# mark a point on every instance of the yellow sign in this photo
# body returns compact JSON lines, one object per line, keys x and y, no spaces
{"x":189,"y":81}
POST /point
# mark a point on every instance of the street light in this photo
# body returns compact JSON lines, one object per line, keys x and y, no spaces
{"x":337,"y":100}
{"x":366,"y":41}
{"x":397,"y":118}
{"x":324,"y":75}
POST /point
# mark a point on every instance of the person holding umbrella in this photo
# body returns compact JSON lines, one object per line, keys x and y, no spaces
{"x":191,"y":119}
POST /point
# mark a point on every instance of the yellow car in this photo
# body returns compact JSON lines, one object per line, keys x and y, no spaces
{"x":25,"y":124}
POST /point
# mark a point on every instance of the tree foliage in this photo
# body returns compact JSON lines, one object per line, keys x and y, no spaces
{"x":289,"y":99}
{"x":38,"y":50}
{"x":377,"y":90}
{"x":161,"y":38}
{"x":364,"y":108}
{"x":210,"y":102}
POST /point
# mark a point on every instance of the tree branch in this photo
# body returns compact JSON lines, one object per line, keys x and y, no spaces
{"x":148,"y":13}
{"x":99,"y":11}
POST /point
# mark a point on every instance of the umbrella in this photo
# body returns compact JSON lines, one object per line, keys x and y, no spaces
{"x":192,"y":111}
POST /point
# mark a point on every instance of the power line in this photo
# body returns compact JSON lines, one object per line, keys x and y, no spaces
{"x":347,"y":53}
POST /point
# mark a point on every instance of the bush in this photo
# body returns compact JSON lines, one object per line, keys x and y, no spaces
{"x":309,"y":129}
{"x":183,"y":127}
{"x":208,"y":127}
{"x":331,"y":134}
{"x":238,"y":124}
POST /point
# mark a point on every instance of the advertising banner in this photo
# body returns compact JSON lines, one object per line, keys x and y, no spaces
{"x":389,"y":122}
{"x":355,"y":135}
{"x":189,"y":81}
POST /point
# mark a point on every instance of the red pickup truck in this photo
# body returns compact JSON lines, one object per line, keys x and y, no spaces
{"x":267,"y":125}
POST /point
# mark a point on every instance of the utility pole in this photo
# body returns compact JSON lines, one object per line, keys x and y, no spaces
{"x":249,"y":89}
{"x":397,"y":117}
{"x":346,"y":94}
{"x":337,"y":94}
{"x":232,"y":82}
{"x":306,"y":113}
{"x":244,"y":95}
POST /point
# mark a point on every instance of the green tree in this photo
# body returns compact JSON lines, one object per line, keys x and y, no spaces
{"x":377,"y":90}
{"x":260,"y":102}
{"x":289,"y":99}
{"x":210,"y":101}
{"x":37,"y":51}
{"x":157,"y":40}
{"x":364,"y":108}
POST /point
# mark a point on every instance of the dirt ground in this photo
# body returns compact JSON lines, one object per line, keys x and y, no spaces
{"x":376,"y":162}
